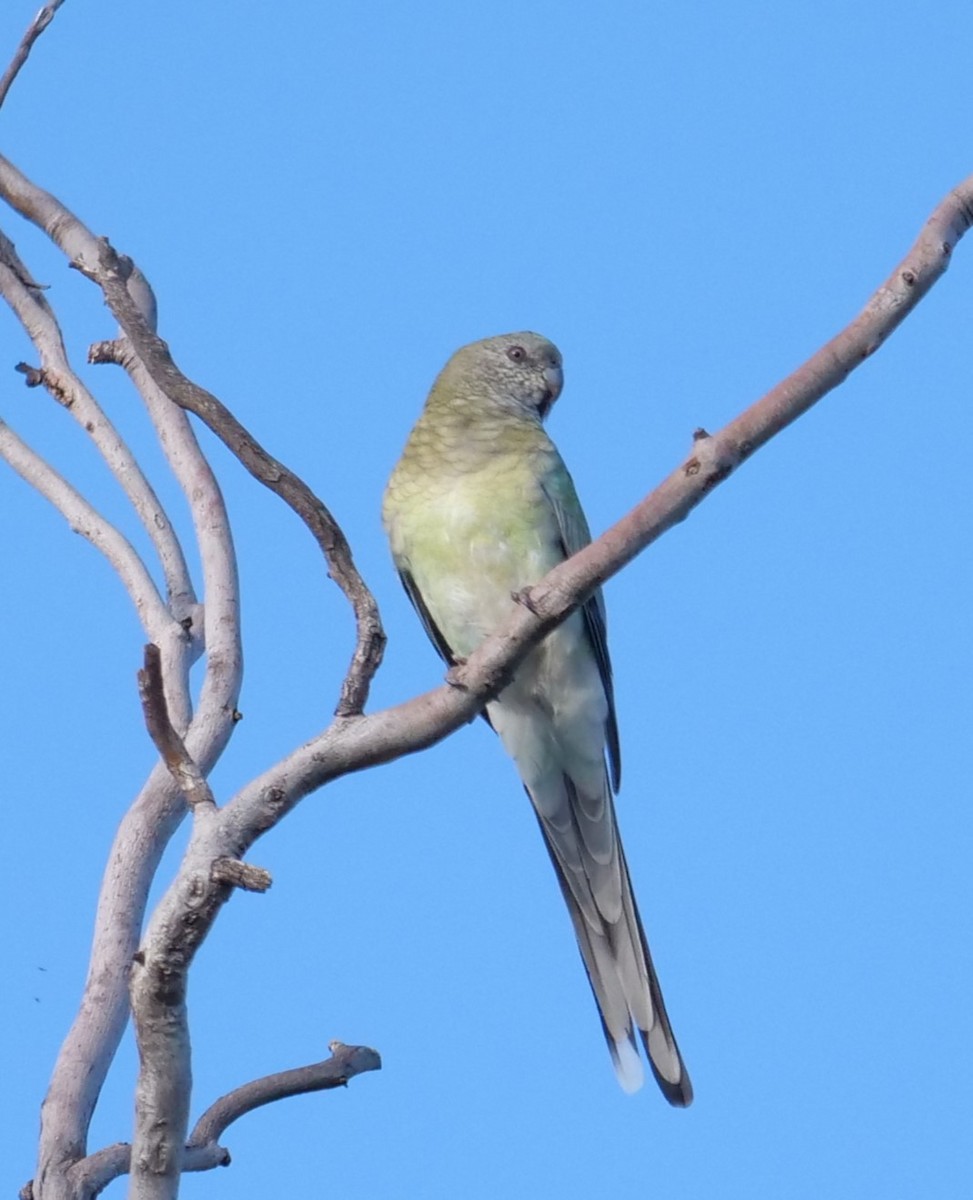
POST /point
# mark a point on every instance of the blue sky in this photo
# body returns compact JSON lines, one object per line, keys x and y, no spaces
{"x":688,"y":199}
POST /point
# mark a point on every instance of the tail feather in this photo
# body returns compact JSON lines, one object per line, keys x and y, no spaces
{"x":615,"y":951}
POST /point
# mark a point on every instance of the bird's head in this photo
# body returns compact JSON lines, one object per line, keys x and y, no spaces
{"x":515,"y":373}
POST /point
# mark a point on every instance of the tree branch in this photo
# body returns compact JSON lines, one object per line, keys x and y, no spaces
{"x":91,"y":1042}
{"x":172,"y":749}
{"x":34,"y":31}
{"x":56,"y":375}
{"x":93,"y":527}
{"x":352,"y":745}
{"x":109,"y":272}
{"x":345,"y":1063}
{"x":202,"y":1151}
{"x":95,"y":258}
{"x":90,"y":1045}
{"x":221,"y":613}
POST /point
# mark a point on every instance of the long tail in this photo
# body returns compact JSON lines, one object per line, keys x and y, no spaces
{"x":597,"y":889}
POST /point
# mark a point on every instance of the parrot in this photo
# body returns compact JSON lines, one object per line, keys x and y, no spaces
{"x":479,"y":508}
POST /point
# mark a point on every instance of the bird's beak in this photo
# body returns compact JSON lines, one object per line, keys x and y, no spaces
{"x":554,"y":381}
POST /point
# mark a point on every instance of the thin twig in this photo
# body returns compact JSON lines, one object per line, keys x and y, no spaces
{"x":34,"y":31}
{"x":171,"y":747}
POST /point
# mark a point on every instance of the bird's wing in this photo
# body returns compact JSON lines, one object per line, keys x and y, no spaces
{"x":575,"y":535}
{"x":433,"y":631}
{"x":429,"y":625}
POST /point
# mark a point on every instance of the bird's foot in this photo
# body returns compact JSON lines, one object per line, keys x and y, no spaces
{"x":524,"y":597}
{"x":452,"y":675}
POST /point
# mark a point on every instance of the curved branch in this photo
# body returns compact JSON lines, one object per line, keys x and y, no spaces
{"x":345,"y":1063}
{"x":56,"y":374}
{"x":211,"y":525}
{"x":89,"y":1047}
{"x":85,"y":519}
{"x":172,"y":749}
{"x":109,"y":272}
{"x":165,"y":625}
{"x":202,"y":1151}
{"x":98,"y":261}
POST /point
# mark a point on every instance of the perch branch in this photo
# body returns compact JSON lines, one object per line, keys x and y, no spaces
{"x":380,"y":737}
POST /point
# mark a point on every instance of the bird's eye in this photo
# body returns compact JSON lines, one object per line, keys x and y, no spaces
{"x":516,"y":354}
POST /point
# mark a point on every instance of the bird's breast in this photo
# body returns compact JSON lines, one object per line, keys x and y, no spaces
{"x":472,"y":542}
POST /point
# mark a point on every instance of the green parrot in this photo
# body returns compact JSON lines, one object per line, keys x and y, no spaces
{"x":479,"y":507}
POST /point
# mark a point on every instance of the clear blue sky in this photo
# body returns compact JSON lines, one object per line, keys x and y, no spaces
{"x":687,"y":198}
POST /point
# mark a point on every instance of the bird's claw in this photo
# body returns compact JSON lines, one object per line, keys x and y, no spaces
{"x":452,"y":675}
{"x":524,"y":597}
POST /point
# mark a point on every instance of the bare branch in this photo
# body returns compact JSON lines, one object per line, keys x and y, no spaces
{"x":202,"y":1151}
{"x":110,"y":274}
{"x":345,"y":1063}
{"x":56,"y":375}
{"x":210,"y":521}
{"x":95,"y":258}
{"x":93,"y":1174}
{"x":170,"y":745}
{"x":133,"y":859}
{"x":90,"y":1045}
{"x":352,"y":745}
{"x":240,"y":875}
{"x":160,"y":1020}
{"x":86,"y":520}
{"x":34,"y":31}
